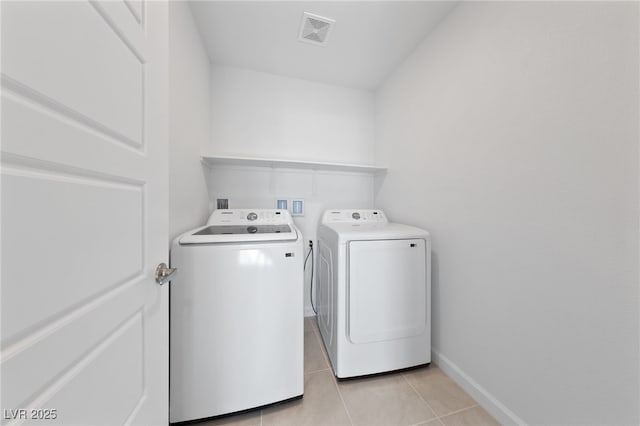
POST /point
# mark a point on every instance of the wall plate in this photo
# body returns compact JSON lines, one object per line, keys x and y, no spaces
{"x":297,"y":207}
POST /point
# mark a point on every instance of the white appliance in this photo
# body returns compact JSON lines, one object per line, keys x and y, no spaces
{"x":374,"y":292}
{"x":237,"y":337}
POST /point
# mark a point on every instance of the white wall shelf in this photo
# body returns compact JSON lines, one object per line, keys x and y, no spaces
{"x":216,"y":160}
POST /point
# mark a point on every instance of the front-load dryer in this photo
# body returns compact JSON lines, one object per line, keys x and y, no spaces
{"x":237,"y":331}
{"x":374,"y":292}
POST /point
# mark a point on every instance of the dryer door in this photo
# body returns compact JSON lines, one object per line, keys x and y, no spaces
{"x":387,"y":290}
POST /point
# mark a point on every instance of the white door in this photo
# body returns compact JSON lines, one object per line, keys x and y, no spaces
{"x":84,"y":213}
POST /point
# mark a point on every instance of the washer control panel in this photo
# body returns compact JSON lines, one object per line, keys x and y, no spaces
{"x":354,"y":216}
{"x":250,"y":216}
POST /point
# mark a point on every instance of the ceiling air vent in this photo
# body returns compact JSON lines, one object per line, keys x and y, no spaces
{"x":315,"y":29}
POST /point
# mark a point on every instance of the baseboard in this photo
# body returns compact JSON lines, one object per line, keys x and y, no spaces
{"x":487,"y":401}
{"x":308,"y":312}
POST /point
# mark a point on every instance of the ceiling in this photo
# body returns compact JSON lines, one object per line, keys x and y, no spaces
{"x":368,"y":40}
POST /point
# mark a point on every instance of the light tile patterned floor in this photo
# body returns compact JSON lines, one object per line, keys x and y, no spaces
{"x":423,"y":396}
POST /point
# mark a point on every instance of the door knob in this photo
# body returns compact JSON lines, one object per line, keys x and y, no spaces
{"x":163,"y":273}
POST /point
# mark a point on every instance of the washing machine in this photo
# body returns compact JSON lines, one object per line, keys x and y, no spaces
{"x":373,"y":292}
{"x":236,"y":314}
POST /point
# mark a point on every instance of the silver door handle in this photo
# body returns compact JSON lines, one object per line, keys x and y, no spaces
{"x":163,"y":273}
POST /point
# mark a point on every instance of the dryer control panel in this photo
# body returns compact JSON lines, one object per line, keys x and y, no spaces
{"x":354,"y":216}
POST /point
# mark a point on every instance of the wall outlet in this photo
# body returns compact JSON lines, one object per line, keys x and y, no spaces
{"x":282,"y":204}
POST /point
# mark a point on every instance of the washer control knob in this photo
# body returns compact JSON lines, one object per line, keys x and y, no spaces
{"x":252,"y":216}
{"x":355,"y":215}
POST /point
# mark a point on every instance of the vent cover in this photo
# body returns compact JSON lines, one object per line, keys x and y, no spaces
{"x":315,"y":29}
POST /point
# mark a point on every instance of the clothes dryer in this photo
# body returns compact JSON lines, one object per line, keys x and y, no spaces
{"x":374,"y":292}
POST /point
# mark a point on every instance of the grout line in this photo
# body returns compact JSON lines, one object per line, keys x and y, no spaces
{"x":459,"y":411}
{"x":420,"y":396}
{"x":344,"y":404}
{"x":434,"y":413}
{"x":317,"y":371}
{"x":325,"y":356}
{"x":335,"y":382}
{"x":424,"y":422}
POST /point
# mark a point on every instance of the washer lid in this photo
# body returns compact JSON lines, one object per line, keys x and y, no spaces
{"x":239,"y":229}
{"x":239,"y":233}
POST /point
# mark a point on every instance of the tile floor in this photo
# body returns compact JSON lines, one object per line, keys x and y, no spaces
{"x":424,"y":396}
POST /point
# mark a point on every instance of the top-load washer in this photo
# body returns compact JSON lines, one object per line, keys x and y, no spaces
{"x":237,"y":333}
{"x":373,"y":295}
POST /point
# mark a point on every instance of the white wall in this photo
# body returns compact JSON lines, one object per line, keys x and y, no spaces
{"x":511,"y":133}
{"x":189,"y":121}
{"x":265,"y":115}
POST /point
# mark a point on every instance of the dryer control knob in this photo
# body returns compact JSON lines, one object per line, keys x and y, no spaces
{"x":252,"y":216}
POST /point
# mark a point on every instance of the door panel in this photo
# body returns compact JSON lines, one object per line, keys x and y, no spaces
{"x":387,"y":289}
{"x":66,"y":343}
{"x":120,"y":356}
{"x":70,"y":243}
{"x":84,"y":211}
{"x":92,"y":73}
{"x":136,"y":7}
